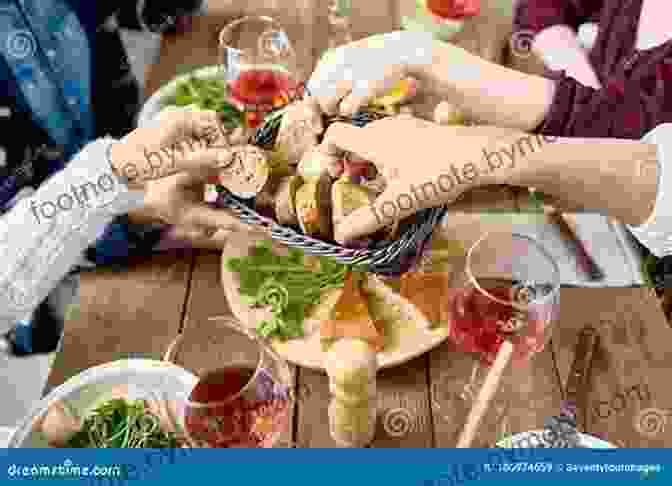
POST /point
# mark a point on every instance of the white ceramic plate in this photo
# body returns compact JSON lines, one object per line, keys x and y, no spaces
{"x":411,"y":340}
{"x":524,"y":439}
{"x":157,"y":101}
{"x":146,"y":378}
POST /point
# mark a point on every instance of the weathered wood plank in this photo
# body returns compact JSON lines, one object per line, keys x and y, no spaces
{"x":134,"y":313}
{"x":630,"y":373}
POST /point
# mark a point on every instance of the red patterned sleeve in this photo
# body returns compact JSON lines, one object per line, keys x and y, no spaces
{"x":536,"y":15}
{"x":621,"y":109}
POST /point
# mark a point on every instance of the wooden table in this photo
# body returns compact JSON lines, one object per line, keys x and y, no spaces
{"x":138,"y":313}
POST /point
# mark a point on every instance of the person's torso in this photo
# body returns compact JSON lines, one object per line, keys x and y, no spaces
{"x":63,"y":82}
{"x":629,"y":43}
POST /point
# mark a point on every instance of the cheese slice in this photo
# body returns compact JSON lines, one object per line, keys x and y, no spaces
{"x":426,"y":291}
{"x":351,"y":317}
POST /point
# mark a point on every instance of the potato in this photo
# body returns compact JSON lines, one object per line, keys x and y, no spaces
{"x":347,"y":197}
{"x":248,"y":173}
{"x":285,"y":197}
{"x":313,"y":207}
{"x":313,"y":164}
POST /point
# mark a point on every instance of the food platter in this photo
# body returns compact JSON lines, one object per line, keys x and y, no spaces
{"x":406,"y":341}
{"x":410,"y":339}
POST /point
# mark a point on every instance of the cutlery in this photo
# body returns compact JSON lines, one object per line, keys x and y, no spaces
{"x":568,"y":230}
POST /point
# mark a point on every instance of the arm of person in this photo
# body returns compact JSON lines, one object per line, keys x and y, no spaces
{"x":595,"y":174}
{"x":497,"y":95}
{"x":40,"y":241}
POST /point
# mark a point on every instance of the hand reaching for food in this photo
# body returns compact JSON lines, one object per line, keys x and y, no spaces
{"x":423,"y":165}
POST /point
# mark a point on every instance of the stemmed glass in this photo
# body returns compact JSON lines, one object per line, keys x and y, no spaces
{"x":508,"y":290}
{"x":245,"y":402}
{"x":260,"y":66}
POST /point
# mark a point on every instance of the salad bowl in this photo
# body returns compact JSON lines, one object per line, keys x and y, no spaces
{"x":144,"y":379}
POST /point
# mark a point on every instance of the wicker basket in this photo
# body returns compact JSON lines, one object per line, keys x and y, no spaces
{"x":384,"y":257}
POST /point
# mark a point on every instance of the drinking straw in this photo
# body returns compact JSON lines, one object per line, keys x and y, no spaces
{"x":485,"y":395}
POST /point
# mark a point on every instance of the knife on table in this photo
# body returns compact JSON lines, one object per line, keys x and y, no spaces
{"x":569,"y":233}
{"x":572,"y":409}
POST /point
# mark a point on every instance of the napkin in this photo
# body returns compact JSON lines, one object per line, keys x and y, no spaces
{"x":608,"y":242}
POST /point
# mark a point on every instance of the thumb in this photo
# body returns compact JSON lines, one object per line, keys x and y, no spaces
{"x":386,"y":210}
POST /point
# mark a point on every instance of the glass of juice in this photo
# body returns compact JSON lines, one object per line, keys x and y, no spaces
{"x":247,"y":401}
{"x":259,"y":66}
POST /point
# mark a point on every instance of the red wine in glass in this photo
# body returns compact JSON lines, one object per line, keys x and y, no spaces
{"x":259,"y":90}
{"x":480,"y":323}
{"x":453,"y":9}
{"x":237,"y":406}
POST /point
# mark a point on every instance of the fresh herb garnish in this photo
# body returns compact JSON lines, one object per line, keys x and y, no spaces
{"x":287,"y":284}
{"x":123,"y":424}
{"x":208,"y":94}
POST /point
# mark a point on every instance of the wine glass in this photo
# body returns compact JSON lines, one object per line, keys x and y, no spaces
{"x":259,"y":66}
{"x":509,"y":289}
{"x":245,"y":402}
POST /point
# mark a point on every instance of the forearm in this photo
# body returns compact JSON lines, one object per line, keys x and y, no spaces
{"x":43,"y":236}
{"x":618,"y":178}
{"x":488,"y":93}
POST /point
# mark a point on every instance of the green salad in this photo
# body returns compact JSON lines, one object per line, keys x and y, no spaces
{"x":289,"y":285}
{"x":122,"y":424}
{"x":207,"y":94}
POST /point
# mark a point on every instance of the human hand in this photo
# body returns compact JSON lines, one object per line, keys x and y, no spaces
{"x":171,"y":161}
{"x":560,"y":50}
{"x":355,"y":73}
{"x":424,"y":164}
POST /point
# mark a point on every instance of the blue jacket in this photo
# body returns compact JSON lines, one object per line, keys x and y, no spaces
{"x":64,"y":81}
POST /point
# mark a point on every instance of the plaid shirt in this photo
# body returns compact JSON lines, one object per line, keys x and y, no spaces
{"x":65,"y":81}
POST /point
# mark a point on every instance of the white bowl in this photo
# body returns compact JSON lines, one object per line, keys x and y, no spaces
{"x":158,"y":100}
{"x":146,"y":379}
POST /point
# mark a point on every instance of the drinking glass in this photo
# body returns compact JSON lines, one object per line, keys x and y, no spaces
{"x":259,"y":66}
{"x":245,"y":402}
{"x":509,"y":289}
